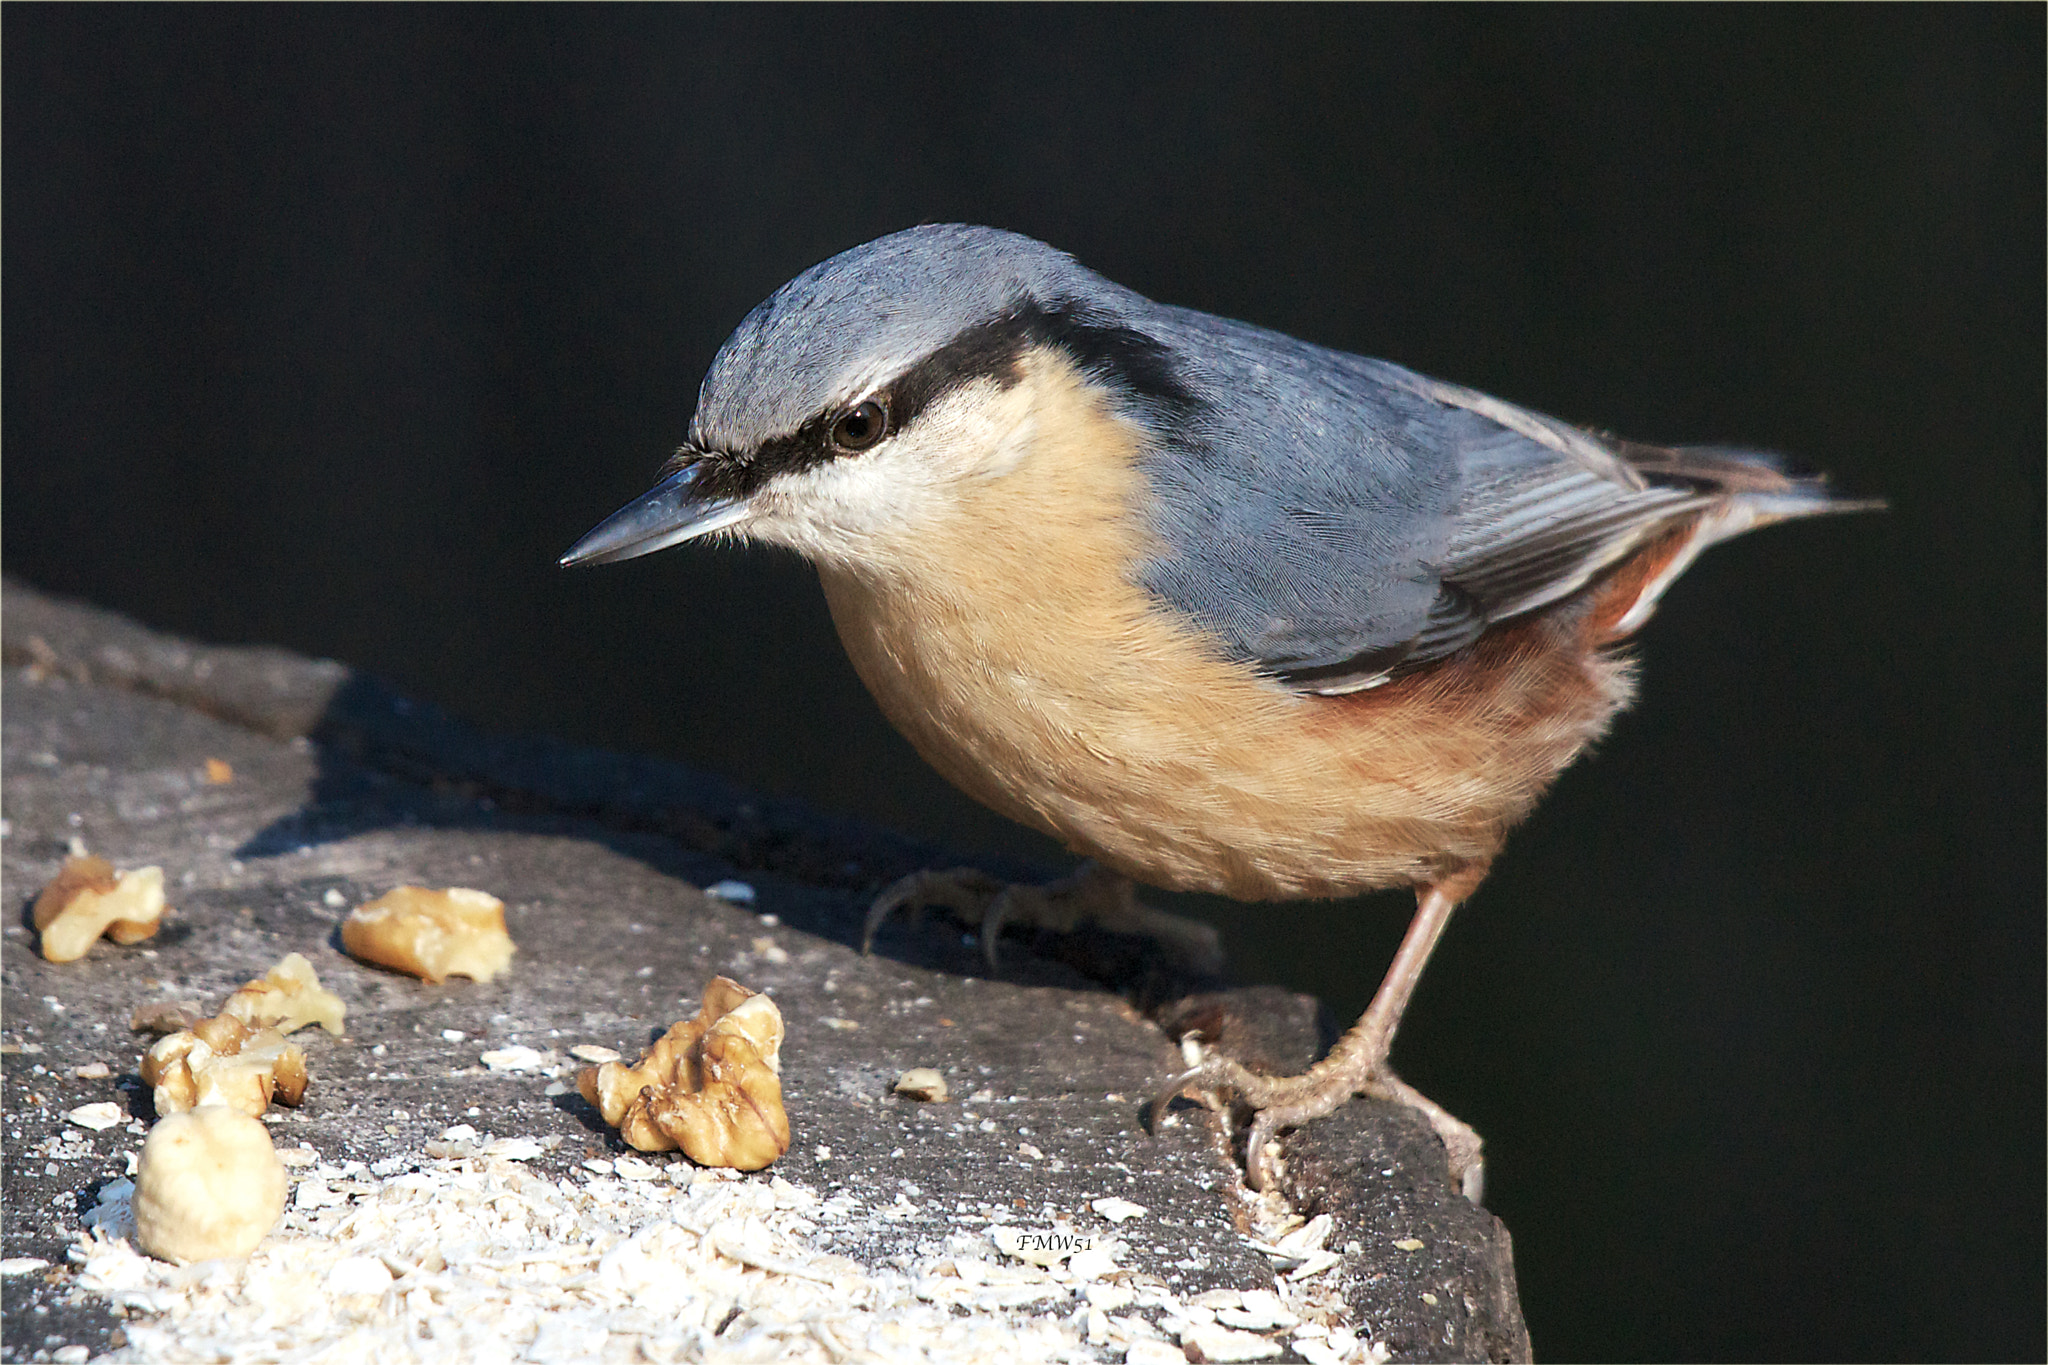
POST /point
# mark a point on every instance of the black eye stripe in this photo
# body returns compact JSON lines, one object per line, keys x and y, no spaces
{"x":1121,"y":357}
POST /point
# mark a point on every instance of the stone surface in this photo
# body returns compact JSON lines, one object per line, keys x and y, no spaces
{"x":341,"y":789}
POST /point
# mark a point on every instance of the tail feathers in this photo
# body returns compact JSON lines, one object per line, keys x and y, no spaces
{"x":1754,"y":488}
{"x":1757,"y":478}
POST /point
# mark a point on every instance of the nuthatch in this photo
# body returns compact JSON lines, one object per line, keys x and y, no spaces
{"x":1221,"y":610}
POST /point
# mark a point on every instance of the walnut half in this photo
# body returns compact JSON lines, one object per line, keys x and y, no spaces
{"x":710,"y":1086}
{"x":432,"y":934}
{"x":87,"y":899}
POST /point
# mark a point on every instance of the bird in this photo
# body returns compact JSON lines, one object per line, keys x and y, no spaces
{"x":1221,"y":610}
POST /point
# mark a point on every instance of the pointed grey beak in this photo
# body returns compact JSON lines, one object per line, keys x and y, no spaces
{"x":670,"y":513}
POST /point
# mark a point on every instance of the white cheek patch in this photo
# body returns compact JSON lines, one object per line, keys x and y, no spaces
{"x":854,"y":506}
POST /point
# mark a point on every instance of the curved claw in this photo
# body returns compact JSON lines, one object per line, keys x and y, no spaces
{"x":883,"y":906}
{"x":1170,"y":1092}
{"x":1215,"y":1072}
{"x":992,"y":921}
{"x":1249,"y":1086}
{"x":963,"y":889}
{"x":1258,"y":1166}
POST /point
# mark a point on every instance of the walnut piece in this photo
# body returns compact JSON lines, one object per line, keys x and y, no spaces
{"x":208,"y":1184}
{"x":710,"y":1086}
{"x":240,"y":1057}
{"x":288,"y":997}
{"x":87,"y":899}
{"x":922,"y":1083}
{"x":224,"y":1061}
{"x":433,"y":934}
{"x":165,"y":1017}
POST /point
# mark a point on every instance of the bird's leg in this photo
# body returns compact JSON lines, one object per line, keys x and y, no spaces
{"x":1092,"y":895}
{"x":1357,"y":1065}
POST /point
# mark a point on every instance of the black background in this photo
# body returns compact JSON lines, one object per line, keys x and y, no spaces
{"x":333,"y":327}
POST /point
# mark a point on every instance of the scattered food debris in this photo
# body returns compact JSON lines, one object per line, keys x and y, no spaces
{"x":98,"y":1117}
{"x":1095,"y":1261}
{"x":219,"y":771}
{"x":432,"y":934}
{"x":734,"y":892}
{"x":358,"y":1275}
{"x":922,"y":1083}
{"x":22,"y":1265}
{"x":1257,"y":1310}
{"x":1219,"y":1343}
{"x":468,"y":1258}
{"x":1119,"y":1210}
{"x":594,"y":1054}
{"x":209,"y":1184}
{"x":710,"y":1086}
{"x":838,"y":1025}
{"x":1410,"y":1244}
{"x":1051,"y":1245}
{"x":1299,"y":1253}
{"x":88,"y":899}
{"x":92,"y":1071}
{"x":517,"y":1148}
{"x":518,"y":1057}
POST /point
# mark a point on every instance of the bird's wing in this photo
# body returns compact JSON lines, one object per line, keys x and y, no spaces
{"x":1543,"y":509}
{"x":1530,"y":525}
{"x":1340,"y":521}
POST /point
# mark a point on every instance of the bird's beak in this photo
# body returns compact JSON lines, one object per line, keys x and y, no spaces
{"x":671,"y":512}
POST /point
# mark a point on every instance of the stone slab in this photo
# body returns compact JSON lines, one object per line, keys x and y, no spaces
{"x":342,"y":789}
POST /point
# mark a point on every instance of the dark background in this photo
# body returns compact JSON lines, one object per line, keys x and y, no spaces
{"x":333,"y":327}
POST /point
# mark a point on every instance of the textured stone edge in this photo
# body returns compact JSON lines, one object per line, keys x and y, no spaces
{"x":1334,"y":1166}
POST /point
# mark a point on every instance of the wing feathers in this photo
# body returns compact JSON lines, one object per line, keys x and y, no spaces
{"x":1545,"y":510}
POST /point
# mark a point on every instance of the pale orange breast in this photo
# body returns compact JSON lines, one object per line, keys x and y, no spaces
{"x":1008,"y":643}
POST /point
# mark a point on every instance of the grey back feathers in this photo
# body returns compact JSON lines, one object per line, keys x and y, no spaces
{"x":1331,"y":519}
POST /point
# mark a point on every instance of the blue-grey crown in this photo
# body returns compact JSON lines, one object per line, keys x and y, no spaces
{"x":897,"y":299}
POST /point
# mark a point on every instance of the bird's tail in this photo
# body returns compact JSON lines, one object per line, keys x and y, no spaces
{"x":1765,"y":486}
{"x":1748,"y":488}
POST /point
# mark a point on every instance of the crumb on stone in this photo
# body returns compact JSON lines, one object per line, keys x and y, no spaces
{"x":922,"y":1083}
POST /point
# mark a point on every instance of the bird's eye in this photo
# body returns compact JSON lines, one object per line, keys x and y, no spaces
{"x":860,"y":426}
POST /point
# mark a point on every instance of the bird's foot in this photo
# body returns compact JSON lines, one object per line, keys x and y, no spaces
{"x":1092,"y":895}
{"x":1281,"y":1102}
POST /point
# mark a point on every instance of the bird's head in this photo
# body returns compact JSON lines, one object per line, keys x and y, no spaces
{"x":867,"y":391}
